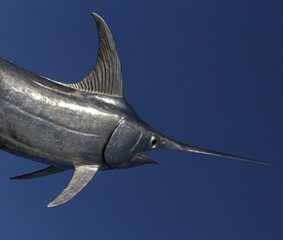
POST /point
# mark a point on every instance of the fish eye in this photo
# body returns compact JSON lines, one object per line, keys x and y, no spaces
{"x":153,"y":142}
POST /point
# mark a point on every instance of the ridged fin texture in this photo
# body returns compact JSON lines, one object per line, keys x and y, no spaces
{"x":106,"y":77}
{"x":41,"y":173}
{"x":82,"y":176}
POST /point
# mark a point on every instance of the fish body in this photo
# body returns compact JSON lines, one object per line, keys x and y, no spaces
{"x":54,"y":124}
{"x":85,"y":126}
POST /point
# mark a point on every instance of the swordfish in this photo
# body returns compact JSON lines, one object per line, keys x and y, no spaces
{"x":86,"y":126}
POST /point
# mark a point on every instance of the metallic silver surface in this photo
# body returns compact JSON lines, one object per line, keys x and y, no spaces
{"x":41,"y":173}
{"x":88,"y":126}
{"x":82,"y":176}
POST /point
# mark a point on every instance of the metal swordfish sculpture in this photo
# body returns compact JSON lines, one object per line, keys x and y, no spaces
{"x":86,"y":126}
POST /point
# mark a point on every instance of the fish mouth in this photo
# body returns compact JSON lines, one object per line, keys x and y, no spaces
{"x":142,"y":159}
{"x":136,"y":161}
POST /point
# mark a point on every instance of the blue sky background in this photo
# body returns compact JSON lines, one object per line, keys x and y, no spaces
{"x":205,"y":72}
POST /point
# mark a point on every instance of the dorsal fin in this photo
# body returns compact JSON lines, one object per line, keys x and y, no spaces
{"x":106,"y":76}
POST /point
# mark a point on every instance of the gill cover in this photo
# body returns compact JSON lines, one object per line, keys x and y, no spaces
{"x":121,"y":144}
{"x":126,"y":144}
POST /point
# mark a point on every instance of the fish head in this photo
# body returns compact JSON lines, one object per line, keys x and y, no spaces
{"x":131,"y":138}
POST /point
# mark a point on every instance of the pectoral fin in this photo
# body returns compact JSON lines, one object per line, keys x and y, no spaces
{"x":82,"y":176}
{"x":41,"y":173}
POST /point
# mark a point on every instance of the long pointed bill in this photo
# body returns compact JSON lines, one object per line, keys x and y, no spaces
{"x":171,"y":144}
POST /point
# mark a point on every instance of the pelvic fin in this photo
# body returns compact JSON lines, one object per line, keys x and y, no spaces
{"x":41,"y":173}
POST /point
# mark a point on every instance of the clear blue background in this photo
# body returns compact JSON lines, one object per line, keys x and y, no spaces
{"x":205,"y":72}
